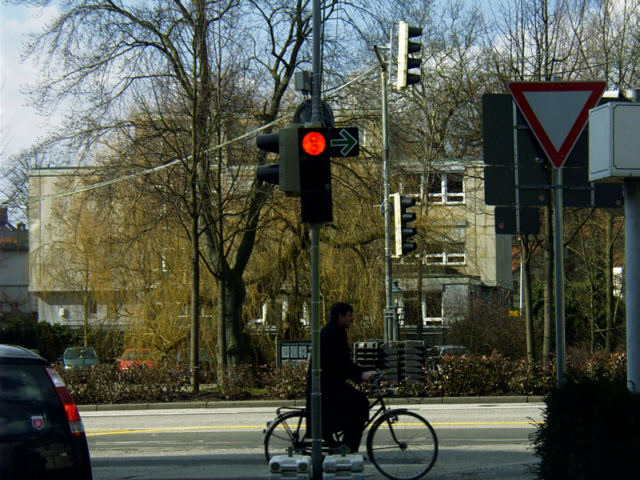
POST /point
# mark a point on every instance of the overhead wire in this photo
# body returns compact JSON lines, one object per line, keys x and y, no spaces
{"x":158,"y":168}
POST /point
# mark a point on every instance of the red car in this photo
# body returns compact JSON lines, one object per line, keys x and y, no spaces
{"x":135,"y":357}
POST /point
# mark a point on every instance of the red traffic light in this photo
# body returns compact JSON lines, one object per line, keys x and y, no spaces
{"x":313,"y":143}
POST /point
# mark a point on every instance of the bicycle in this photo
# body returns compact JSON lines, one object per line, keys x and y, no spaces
{"x":401,"y":444}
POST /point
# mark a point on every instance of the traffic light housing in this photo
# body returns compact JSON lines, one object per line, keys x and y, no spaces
{"x":406,"y":62}
{"x":286,"y":173}
{"x":314,"y":161}
{"x":401,"y":219}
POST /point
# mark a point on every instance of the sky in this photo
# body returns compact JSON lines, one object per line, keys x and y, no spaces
{"x":20,"y":126}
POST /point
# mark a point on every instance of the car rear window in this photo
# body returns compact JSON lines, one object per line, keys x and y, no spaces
{"x":74,"y":353}
{"x":29,"y":404}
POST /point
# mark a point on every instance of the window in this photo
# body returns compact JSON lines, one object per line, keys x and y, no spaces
{"x":92,"y":307}
{"x":446,"y":254}
{"x":446,"y":188}
{"x":432,"y":308}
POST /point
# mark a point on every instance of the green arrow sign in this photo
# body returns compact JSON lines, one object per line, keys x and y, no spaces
{"x":344,"y":142}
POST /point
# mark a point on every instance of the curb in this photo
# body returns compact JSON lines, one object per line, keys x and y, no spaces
{"x":301,"y":403}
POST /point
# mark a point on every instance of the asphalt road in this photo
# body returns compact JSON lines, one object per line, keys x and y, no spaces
{"x":477,"y":442}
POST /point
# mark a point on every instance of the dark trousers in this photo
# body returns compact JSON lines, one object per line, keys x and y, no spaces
{"x":345,"y":409}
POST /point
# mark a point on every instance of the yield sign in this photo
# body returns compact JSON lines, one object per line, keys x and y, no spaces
{"x":556,"y":112}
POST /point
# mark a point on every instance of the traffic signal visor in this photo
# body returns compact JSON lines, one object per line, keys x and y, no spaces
{"x":405,"y":62}
{"x":401,"y":219}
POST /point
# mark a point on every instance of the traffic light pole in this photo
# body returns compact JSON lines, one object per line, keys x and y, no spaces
{"x":389,"y":311}
{"x":316,"y":392}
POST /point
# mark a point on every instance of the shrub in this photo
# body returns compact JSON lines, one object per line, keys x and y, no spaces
{"x":237,"y":382}
{"x":591,"y":431}
{"x":286,"y":382}
{"x":104,"y":383}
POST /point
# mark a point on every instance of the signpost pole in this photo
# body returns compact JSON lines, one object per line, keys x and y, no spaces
{"x":558,"y":250}
{"x":632,"y":267}
{"x":389,"y":312}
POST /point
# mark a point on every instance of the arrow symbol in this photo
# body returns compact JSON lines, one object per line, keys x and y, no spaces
{"x":346,"y":141}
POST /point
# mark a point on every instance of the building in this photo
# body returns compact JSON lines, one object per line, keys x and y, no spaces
{"x":55,"y":282}
{"x":14,"y":262}
{"x":460,"y":262}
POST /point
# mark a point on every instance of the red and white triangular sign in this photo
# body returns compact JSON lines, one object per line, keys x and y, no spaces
{"x":556,"y":112}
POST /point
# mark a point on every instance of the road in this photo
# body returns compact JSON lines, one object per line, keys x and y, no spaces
{"x":477,"y":441}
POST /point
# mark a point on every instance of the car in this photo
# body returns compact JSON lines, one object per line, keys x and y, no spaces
{"x":136,"y":357}
{"x":442,"y":350}
{"x":79,"y":357}
{"x":41,"y":432}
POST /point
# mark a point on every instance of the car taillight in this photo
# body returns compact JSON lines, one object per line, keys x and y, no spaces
{"x":70,"y":408}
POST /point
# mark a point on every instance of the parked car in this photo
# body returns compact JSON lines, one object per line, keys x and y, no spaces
{"x":79,"y":357}
{"x":135,"y":357}
{"x":41,"y":432}
{"x":442,"y":350}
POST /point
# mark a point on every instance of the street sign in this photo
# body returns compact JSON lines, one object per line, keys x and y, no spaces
{"x":344,"y":142}
{"x":556,"y":112}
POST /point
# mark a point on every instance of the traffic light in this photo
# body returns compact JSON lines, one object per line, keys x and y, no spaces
{"x":405,"y":62}
{"x":401,"y":218}
{"x":286,"y":173}
{"x":313,"y":150}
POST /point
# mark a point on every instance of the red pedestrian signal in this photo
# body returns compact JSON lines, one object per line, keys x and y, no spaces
{"x":314,"y":143}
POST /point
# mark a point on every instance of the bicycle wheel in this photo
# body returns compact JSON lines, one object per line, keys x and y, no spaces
{"x":287,"y":431}
{"x":402,"y":445}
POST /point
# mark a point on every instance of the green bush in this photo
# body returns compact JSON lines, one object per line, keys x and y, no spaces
{"x":591,"y":431}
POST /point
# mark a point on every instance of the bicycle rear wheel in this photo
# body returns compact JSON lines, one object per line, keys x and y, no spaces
{"x":287,"y":431}
{"x":402,"y":445}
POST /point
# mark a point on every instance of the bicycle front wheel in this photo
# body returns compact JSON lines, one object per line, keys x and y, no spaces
{"x":287,"y":431}
{"x":402,"y":445}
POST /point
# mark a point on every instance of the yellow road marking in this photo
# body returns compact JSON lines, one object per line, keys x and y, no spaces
{"x":96,"y":433}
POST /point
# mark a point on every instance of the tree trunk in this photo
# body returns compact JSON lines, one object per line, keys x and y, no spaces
{"x":608,"y":275}
{"x":236,"y":347}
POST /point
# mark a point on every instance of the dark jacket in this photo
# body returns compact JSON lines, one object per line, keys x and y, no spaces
{"x":341,"y":402}
{"x":335,"y":360}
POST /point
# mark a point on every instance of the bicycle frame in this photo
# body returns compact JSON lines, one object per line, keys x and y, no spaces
{"x":382,"y":409}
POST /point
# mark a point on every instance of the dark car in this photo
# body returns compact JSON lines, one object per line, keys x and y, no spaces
{"x":79,"y":357}
{"x":41,"y":432}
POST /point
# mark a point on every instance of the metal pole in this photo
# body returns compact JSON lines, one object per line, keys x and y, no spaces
{"x":389,"y":317}
{"x":632,"y":261}
{"x":316,"y":394}
{"x":316,"y":387}
{"x":558,"y":250}
{"x":316,"y":73}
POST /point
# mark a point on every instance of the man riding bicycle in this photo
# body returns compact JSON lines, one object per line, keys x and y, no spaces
{"x":343,"y":407}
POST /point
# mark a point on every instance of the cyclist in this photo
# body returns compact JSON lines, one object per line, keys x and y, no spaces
{"x":343,"y":407}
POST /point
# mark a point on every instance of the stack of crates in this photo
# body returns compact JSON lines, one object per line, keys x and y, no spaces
{"x":413,"y":357}
{"x":367,"y":354}
{"x":403,"y":361}
{"x":297,"y":467}
{"x":343,"y":467}
{"x":391,"y":362}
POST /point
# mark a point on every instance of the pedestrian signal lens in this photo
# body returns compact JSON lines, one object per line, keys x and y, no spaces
{"x":314,"y":143}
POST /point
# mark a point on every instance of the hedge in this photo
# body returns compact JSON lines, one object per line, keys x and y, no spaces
{"x":467,"y":375}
